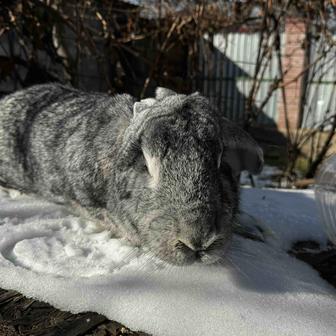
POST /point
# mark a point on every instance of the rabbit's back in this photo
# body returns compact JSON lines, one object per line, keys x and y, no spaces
{"x":52,"y":138}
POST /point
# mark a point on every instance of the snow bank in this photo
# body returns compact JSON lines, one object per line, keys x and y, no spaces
{"x":48,"y":254}
{"x":291,"y":215}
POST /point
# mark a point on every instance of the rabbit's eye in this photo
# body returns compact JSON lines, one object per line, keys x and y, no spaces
{"x":219,"y":159}
{"x":140,"y":164}
{"x":215,"y":148}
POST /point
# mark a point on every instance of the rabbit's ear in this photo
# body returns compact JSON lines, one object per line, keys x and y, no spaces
{"x":161,"y":93}
{"x":241,"y":151}
{"x":195,"y":94}
{"x":143,"y":104}
{"x":143,"y":112}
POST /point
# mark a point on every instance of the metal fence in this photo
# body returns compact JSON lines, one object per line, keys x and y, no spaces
{"x":227,"y":65}
{"x":319,"y":98}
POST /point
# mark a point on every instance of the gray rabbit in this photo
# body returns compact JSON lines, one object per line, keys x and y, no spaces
{"x":163,"y":170}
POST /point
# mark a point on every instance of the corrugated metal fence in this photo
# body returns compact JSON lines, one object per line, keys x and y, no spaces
{"x":227,"y":70}
{"x":319,"y":99}
{"x":227,"y":65}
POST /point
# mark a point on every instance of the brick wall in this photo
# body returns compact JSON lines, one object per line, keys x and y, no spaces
{"x":293,"y":63}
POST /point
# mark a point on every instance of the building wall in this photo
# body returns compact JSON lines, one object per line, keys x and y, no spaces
{"x":293,"y":61}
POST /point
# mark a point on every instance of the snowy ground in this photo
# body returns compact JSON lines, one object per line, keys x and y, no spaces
{"x":268,"y":178}
{"x":71,"y":263}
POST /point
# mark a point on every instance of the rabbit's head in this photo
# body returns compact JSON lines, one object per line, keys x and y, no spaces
{"x":177,"y":179}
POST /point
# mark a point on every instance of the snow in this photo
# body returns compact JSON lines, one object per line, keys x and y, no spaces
{"x":268,"y":178}
{"x":291,"y":215}
{"x":50,"y":254}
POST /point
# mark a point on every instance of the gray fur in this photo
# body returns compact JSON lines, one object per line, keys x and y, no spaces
{"x":88,"y":147}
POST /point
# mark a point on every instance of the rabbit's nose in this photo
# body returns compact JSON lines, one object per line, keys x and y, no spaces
{"x":190,"y":245}
{"x":191,"y":249}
